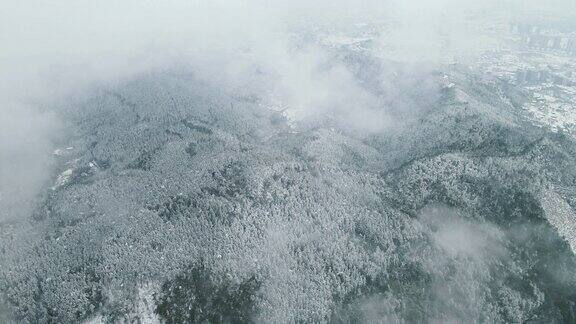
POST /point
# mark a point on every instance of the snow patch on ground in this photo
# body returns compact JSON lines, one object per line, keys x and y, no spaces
{"x":561,"y":216}
{"x":63,"y":179}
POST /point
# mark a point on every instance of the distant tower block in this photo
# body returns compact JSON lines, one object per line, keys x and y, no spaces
{"x":556,"y":42}
{"x":572,"y":46}
{"x":564,"y":42}
{"x":514,"y":28}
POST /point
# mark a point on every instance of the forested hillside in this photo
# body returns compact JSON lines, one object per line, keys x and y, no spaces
{"x":177,"y":201}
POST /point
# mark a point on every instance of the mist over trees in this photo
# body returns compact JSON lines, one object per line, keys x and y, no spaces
{"x":183,"y":203}
{"x":280,"y":167}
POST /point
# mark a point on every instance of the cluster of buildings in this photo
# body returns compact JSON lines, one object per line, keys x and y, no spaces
{"x":541,"y":63}
{"x":534,"y":76}
{"x":540,"y":37}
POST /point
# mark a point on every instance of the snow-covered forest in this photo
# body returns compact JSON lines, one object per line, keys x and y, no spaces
{"x":412,"y":192}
